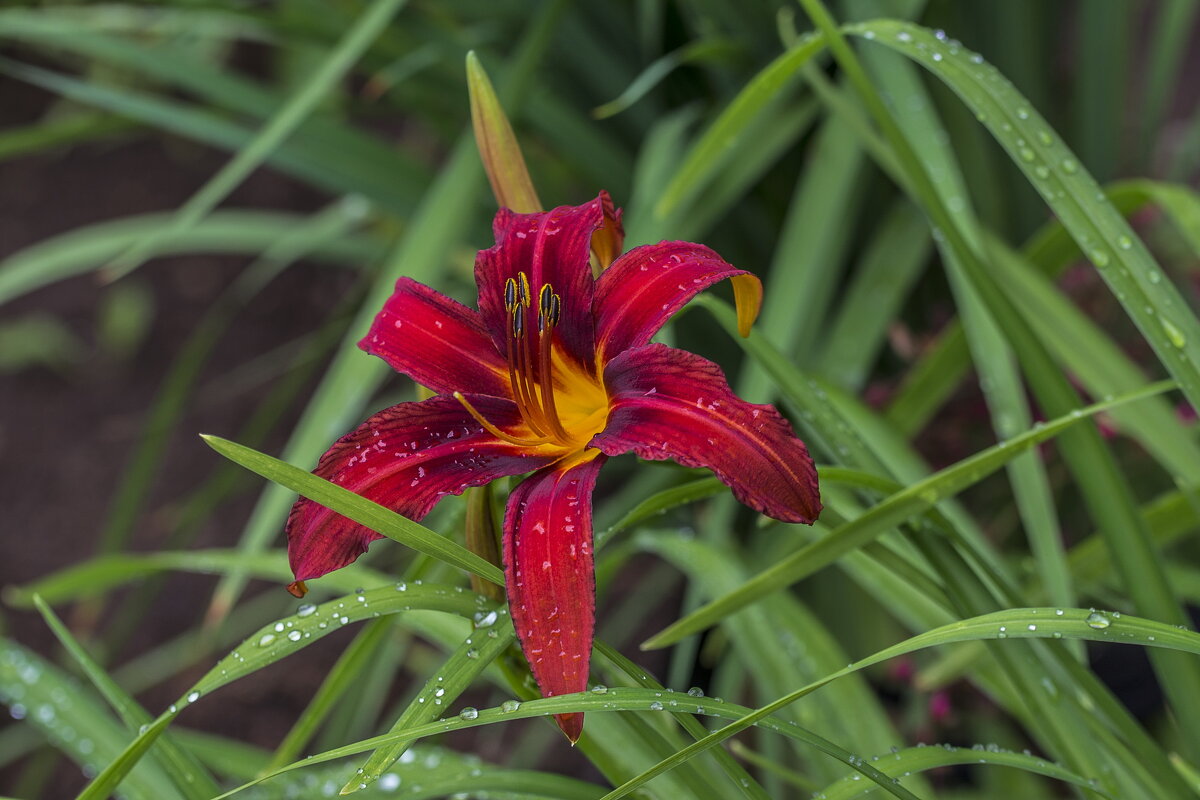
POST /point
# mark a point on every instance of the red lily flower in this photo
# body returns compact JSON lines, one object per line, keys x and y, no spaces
{"x":553,"y":374}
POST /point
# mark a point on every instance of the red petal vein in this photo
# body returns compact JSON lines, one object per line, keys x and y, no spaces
{"x":645,"y":287}
{"x":438,"y":342}
{"x":550,"y":579}
{"x":406,"y":458}
{"x":671,"y":404}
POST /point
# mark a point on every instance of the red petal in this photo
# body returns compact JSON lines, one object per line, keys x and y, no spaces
{"x":406,"y":457}
{"x":550,"y":578}
{"x":643,"y":288}
{"x":438,"y":342}
{"x":550,"y":247}
{"x":671,"y":404}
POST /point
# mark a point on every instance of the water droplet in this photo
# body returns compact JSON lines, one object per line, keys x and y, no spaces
{"x":1124,"y":242}
{"x":193,"y":697}
{"x":599,"y":688}
{"x":306,"y":610}
{"x":294,"y":636}
{"x":1041,"y":171}
{"x":1099,"y":258}
{"x":1023,"y":113}
{"x":656,"y":706}
{"x":509,"y":706}
{"x":695,"y":691}
{"x":1070,"y":166}
{"x":472,"y":653}
{"x":904,"y":36}
{"x":469,"y":713}
{"x":1174,"y":335}
{"x":266,"y":639}
{"x":1033,"y":627}
{"x":1027,"y":154}
{"x":1097,"y":621}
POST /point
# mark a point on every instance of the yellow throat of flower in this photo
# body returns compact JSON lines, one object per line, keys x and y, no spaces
{"x":562,"y":404}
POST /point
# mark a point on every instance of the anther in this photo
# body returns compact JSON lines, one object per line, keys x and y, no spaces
{"x":546,"y":299}
{"x":510,"y":294}
{"x":523,"y":283}
{"x":555,"y":309}
{"x":518,"y":322}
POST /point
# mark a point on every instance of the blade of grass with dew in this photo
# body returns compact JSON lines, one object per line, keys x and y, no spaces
{"x":442,"y":689}
{"x":889,"y":267}
{"x":1050,"y":251}
{"x":736,"y":772}
{"x":784,"y":643}
{"x":1107,"y":497}
{"x":226,"y":757}
{"x":1100,"y":365}
{"x":914,"y":760}
{"x":1029,"y":623}
{"x":998,"y":374}
{"x":71,"y":719}
{"x":282,"y":124}
{"x":189,"y":777}
{"x":364,"y":647}
{"x":914,"y":499}
{"x":1154,"y":305}
{"x":437,"y":772}
{"x":356,"y":508}
{"x":277,"y":640}
{"x":612,"y":699}
{"x":351,"y":378}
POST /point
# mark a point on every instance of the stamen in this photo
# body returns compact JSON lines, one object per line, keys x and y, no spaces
{"x":546,"y":322}
{"x":532,"y":382}
{"x":494,"y":431}
{"x":525,"y":401}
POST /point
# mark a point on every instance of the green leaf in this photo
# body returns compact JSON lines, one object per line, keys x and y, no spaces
{"x":288,"y":636}
{"x":71,"y":719}
{"x":1154,"y":305}
{"x":356,"y":508}
{"x":281,"y":125}
{"x":912,"y":500}
{"x":441,"y":691}
{"x":189,"y":777}
{"x":708,"y":155}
